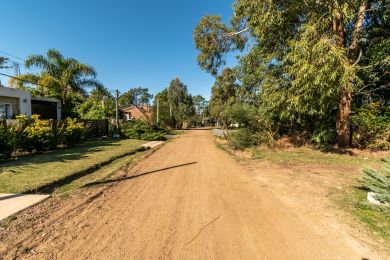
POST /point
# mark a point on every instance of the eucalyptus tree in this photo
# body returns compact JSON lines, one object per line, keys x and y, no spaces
{"x":135,"y":96}
{"x":223,"y":95}
{"x":302,"y":55}
{"x":59,"y":77}
{"x":181,"y":105}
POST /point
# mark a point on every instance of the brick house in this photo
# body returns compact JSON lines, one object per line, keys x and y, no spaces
{"x":143,"y":113}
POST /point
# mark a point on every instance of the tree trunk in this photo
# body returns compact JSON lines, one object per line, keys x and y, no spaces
{"x":344,"y":107}
{"x":342,"y":123}
{"x":64,"y":95}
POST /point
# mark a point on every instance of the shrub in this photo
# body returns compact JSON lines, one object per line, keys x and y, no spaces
{"x":326,"y":136}
{"x":74,"y":132}
{"x":7,"y":142}
{"x":37,"y":135}
{"x":372,"y":127}
{"x":137,"y":129}
{"x":240,"y":139}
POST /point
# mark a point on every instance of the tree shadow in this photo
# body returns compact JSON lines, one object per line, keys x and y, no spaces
{"x":335,"y":150}
{"x":136,"y":176}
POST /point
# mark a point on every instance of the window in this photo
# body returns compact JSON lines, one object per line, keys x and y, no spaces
{"x":5,"y":111}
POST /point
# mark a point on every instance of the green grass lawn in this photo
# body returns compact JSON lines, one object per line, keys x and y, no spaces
{"x":66,"y":165}
{"x":376,"y":219}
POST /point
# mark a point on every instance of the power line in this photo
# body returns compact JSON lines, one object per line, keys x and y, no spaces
{"x":11,"y":55}
{"x":20,"y":64}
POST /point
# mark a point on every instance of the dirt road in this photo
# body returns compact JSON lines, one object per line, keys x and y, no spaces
{"x":188,"y":200}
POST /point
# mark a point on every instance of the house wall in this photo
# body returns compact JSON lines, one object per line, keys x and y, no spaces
{"x":23,"y":103}
{"x":14,"y":102}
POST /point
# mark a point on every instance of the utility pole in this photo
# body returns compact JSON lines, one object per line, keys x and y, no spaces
{"x":116,"y":135}
{"x":16,"y":69}
{"x":158,"y":110}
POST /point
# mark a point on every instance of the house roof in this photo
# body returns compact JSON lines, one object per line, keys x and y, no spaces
{"x":47,"y":99}
{"x":144,"y":111}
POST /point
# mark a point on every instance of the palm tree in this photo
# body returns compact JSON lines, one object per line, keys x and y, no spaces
{"x":58,"y":76}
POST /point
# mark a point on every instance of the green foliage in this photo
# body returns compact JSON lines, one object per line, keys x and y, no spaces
{"x":74,"y":132}
{"x":240,"y":139}
{"x":59,"y":77}
{"x":317,"y":70}
{"x":325,"y":136}
{"x":7,"y":142}
{"x":303,"y":62}
{"x":223,"y":95}
{"x":181,"y":105}
{"x":36,"y":136}
{"x":211,"y":37}
{"x":136,"y":129}
{"x":379,"y":183}
{"x":200,"y":106}
{"x":100,"y":104}
{"x":176,"y":105}
{"x":372,"y":127}
{"x":243,"y":114}
{"x":135,"y":97}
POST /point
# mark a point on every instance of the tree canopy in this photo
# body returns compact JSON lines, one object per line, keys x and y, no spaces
{"x":135,"y":96}
{"x":303,"y":60}
{"x":64,"y":78}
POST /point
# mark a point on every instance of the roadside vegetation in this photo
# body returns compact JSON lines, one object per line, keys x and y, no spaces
{"x":36,"y":135}
{"x":136,"y":129}
{"x":348,"y":177}
{"x":316,"y":72}
{"x":313,"y":75}
{"x":47,"y":171}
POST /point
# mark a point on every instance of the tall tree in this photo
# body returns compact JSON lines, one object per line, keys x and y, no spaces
{"x":59,"y":77}
{"x":162,"y":102}
{"x":99,"y":104}
{"x":312,"y":46}
{"x":200,"y":105}
{"x":181,"y":106}
{"x":223,"y":95}
{"x":135,"y":96}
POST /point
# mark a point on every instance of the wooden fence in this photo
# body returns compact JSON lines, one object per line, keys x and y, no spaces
{"x":94,"y":127}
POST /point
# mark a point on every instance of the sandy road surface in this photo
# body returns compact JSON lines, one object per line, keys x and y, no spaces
{"x":188,"y":200}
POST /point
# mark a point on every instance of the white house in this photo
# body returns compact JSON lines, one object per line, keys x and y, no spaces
{"x":14,"y":102}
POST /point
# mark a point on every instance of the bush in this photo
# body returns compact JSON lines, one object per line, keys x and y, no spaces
{"x":74,"y":132}
{"x":326,"y":136}
{"x":37,"y":135}
{"x":240,"y":139}
{"x":137,"y":129}
{"x":7,"y":142}
{"x":372,"y":127}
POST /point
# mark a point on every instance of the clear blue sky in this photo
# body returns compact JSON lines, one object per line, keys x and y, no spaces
{"x":130,"y":43}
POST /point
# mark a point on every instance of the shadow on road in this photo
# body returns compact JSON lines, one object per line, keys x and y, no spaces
{"x":136,"y":176}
